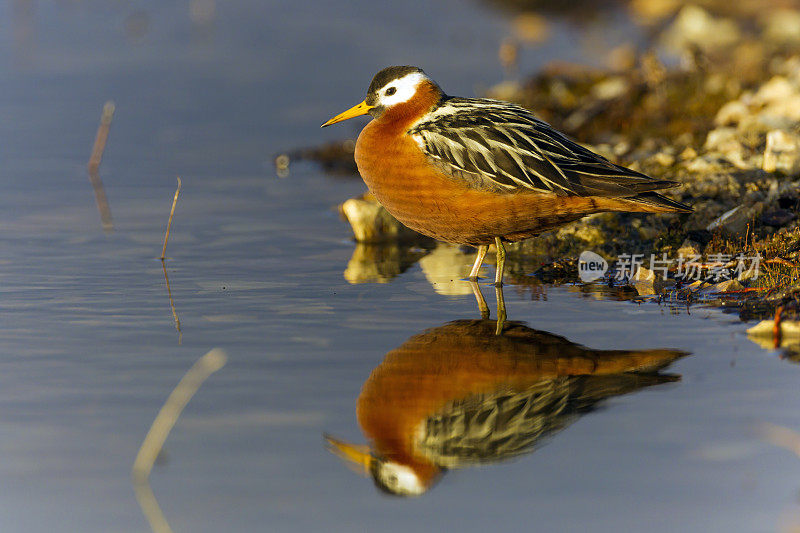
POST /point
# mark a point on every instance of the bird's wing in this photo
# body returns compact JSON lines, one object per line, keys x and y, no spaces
{"x":501,"y":146}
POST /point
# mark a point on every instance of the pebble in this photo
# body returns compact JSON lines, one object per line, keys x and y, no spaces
{"x":782,"y":152}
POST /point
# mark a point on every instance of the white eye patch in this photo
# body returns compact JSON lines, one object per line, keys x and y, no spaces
{"x":399,"y":90}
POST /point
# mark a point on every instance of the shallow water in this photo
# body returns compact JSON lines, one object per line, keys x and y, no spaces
{"x":257,"y":267}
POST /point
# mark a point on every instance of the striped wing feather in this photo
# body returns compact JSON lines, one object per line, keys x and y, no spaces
{"x":499,"y":146}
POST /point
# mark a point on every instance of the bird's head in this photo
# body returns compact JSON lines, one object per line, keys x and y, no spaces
{"x":394,"y":90}
{"x":390,"y":476}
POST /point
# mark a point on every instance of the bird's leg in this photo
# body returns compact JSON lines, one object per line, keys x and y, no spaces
{"x":476,"y":290}
{"x":473,"y":274}
{"x":501,"y":262}
{"x":501,"y":309}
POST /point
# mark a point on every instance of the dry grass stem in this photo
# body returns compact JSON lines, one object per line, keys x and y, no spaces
{"x":159,"y":431}
{"x":102,"y":137}
{"x":152,"y":511}
{"x":169,"y":413}
{"x":94,"y":166}
{"x":169,"y":222}
{"x":172,"y":303}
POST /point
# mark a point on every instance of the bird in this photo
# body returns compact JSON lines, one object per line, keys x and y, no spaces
{"x":477,"y":171}
{"x":457,"y":395}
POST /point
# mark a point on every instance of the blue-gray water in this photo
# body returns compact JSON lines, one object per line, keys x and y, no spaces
{"x":88,"y":346}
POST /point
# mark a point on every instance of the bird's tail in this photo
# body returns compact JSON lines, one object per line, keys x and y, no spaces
{"x":648,"y":202}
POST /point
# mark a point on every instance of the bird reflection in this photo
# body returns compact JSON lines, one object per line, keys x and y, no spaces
{"x":458,"y":395}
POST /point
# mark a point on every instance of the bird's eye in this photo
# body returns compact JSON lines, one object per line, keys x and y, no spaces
{"x":390,"y":91}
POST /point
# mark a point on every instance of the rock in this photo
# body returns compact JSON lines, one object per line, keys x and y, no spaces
{"x":717,"y":185}
{"x":726,"y":141}
{"x":709,"y":289}
{"x":734,"y":220}
{"x":690,"y":248}
{"x":688,"y":153}
{"x":664,"y":159}
{"x":782,"y":25}
{"x":704,"y":288}
{"x":610,"y":88}
{"x":695,"y":27}
{"x":706,"y":164}
{"x":372,"y":223}
{"x":695,"y":285}
{"x":728,"y":285}
{"x":782,"y":152}
{"x":763,"y":334}
{"x":730,"y":113}
{"x":584,"y":231}
{"x":647,"y":282}
{"x":643,"y":281}
{"x":782,"y":114}
{"x":775,"y":105}
{"x":775,"y":90}
{"x":721,"y":139}
{"x":621,"y":148}
{"x":777,"y":217}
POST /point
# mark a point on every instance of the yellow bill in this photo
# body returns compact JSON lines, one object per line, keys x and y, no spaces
{"x":355,"y":111}
{"x":357,"y":457}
